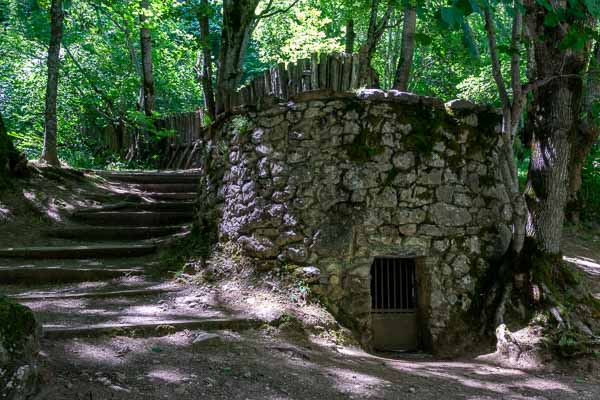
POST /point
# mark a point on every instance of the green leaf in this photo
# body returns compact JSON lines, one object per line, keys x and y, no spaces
{"x":575,"y":40}
{"x":452,"y":17}
{"x":423,"y":39}
{"x":551,"y":20}
{"x":593,"y":7}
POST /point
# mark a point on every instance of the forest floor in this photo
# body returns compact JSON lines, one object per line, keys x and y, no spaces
{"x":299,"y":351}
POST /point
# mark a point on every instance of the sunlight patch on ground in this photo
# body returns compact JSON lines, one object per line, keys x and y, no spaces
{"x":355,"y":382}
{"x":93,"y":353}
{"x":589,"y":265}
{"x":171,"y":375}
{"x":4,"y":212}
{"x":481,"y":377}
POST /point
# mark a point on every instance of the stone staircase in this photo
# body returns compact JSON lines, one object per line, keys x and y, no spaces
{"x":96,"y":282}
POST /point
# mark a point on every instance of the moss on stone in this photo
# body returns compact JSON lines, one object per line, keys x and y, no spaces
{"x":17,"y":325}
{"x":389,"y":179}
{"x":365,"y":146}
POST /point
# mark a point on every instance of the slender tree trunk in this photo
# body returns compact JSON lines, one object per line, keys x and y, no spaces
{"x":146,"y":46}
{"x":366,"y":74}
{"x":586,"y":135}
{"x":350,"y":36}
{"x":5,"y":148}
{"x":558,"y":104}
{"x":49,"y":153}
{"x":239,"y":20}
{"x":407,"y":49}
{"x":204,"y":62}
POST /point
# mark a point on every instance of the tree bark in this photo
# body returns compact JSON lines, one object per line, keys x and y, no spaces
{"x":49,"y":153}
{"x":586,"y":136}
{"x":350,"y":36}
{"x":146,"y":46}
{"x":204,"y":62}
{"x":5,"y":149}
{"x":511,"y":112}
{"x":407,"y":48}
{"x":239,"y":20}
{"x":366,"y":74}
{"x":557,"y":105}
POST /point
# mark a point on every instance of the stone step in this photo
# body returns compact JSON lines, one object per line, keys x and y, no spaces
{"x":169,"y":196}
{"x":152,"y":177}
{"x":141,"y":307}
{"x":113,"y":232}
{"x":34,"y":275}
{"x":149,"y":328}
{"x":63,"y":252}
{"x":135,"y":206}
{"x":135,"y":218}
{"x":166,"y":187}
{"x":99,"y":294}
{"x":44,"y":290}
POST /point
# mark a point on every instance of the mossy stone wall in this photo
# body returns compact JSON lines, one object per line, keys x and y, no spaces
{"x":329,"y":183}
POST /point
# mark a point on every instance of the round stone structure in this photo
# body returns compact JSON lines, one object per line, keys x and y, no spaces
{"x":329,"y":182}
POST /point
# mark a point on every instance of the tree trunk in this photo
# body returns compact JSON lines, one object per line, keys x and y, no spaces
{"x":204,"y":62}
{"x":350,"y":36}
{"x":5,"y":148}
{"x":557,"y":105}
{"x":49,"y":153}
{"x":366,"y":74}
{"x":146,"y":46}
{"x":408,"y":48}
{"x":239,"y":20}
{"x":586,"y":135}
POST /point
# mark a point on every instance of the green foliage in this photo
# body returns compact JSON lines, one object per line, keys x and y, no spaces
{"x":99,"y":81}
{"x":240,"y":125}
{"x":590,"y":186}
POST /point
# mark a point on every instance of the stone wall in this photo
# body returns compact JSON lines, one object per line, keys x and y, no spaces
{"x":330,"y":182}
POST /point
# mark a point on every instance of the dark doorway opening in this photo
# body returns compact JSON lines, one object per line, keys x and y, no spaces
{"x":394,"y":304}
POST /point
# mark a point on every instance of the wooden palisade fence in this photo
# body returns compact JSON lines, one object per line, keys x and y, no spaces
{"x":338,"y":72}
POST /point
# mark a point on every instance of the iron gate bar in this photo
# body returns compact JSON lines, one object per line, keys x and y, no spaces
{"x":393,"y":285}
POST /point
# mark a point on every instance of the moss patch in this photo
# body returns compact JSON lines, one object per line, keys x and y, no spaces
{"x":365,"y":146}
{"x":17,"y":324}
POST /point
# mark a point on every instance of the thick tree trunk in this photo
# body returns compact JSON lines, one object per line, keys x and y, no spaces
{"x":350,"y":36}
{"x":366,"y":74}
{"x":49,"y":153}
{"x":407,"y":49}
{"x":586,"y":135}
{"x":146,"y":46}
{"x":557,"y":105}
{"x":204,"y":62}
{"x":239,"y":20}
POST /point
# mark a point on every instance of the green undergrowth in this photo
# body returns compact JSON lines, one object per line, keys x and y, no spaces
{"x":590,"y":187}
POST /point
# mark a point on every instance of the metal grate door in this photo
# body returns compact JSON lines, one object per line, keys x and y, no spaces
{"x":394,"y":304}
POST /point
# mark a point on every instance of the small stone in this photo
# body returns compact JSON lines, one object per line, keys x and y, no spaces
{"x":206,"y":338}
{"x":412,"y":390}
{"x":308,"y":274}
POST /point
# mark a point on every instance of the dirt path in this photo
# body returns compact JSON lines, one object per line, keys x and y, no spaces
{"x":266,"y":364}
